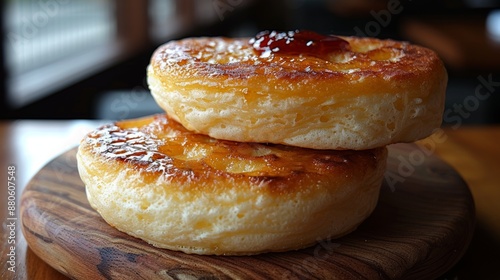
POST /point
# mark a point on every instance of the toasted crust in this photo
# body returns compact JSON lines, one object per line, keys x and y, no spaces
{"x":153,"y":179}
{"x":377,"y":93}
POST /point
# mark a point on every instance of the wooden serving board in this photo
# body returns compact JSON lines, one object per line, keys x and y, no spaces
{"x":419,"y":230}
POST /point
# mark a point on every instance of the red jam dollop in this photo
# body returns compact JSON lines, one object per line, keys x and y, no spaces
{"x":298,"y":42}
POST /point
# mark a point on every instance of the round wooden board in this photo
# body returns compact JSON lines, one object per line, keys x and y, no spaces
{"x":419,"y":230}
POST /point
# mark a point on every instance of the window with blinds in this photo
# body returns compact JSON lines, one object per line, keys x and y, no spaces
{"x":52,"y":44}
{"x":43,"y":32}
{"x":49,"y":43}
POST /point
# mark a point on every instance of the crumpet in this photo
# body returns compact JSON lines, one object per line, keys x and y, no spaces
{"x":369,"y":93}
{"x":153,"y":179}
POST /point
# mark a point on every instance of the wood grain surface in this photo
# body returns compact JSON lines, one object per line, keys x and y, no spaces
{"x":421,"y":227}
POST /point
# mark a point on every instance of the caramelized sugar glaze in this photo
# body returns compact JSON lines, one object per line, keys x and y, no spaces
{"x":162,"y":149}
{"x":296,"y":55}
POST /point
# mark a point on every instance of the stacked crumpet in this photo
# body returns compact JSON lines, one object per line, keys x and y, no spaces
{"x":268,"y":144}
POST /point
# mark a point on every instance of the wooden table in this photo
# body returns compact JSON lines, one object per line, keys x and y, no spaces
{"x":474,"y":152}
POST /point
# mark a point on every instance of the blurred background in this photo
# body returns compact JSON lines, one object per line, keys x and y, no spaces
{"x":76,"y":59}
